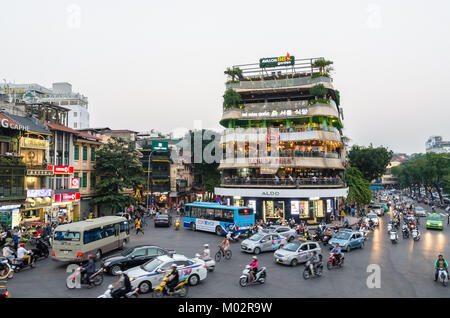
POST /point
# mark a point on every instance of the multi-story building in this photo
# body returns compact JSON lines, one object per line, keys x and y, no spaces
{"x":437,"y":145}
{"x":388,"y":180}
{"x":284,"y":152}
{"x":84,"y":150}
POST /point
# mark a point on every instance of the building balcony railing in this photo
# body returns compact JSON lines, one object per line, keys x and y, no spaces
{"x":292,"y":154}
{"x":287,"y":182}
{"x":299,"y":81}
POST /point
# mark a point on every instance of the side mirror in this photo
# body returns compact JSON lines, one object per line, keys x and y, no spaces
{"x":133,"y":256}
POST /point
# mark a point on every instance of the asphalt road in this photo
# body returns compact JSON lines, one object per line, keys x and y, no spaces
{"x":406,"y":269}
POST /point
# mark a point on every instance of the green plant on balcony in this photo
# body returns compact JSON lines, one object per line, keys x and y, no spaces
{"x":234,"y":73}
{"x":323,"y":66}
{"x":11,"y":162}
{"x":232,"y":99}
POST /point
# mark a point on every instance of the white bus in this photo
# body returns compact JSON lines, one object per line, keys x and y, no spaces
{"x":73,"y":242}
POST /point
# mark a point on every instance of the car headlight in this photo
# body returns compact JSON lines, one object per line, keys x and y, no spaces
{"x":428,"y":223}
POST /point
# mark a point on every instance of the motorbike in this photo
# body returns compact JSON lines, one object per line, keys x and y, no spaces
{"x":260,"y":276}
{"x":326,"y":238}
{"x":317,"y":236}
{"x":233,"y":237}
{"x":415,"y":234}
{"x":393,"y":236}
{"x":333,"y":262}
{"x":108,"y":293}
{"x":4,"y":290}
{"x":5,"y":269}
{"x":443,"y":276}
{"x":405,"y":231}
{"x":180,"y":290}
{"x":371,"y":225}
{"x":96,"y":278}
{"x":389,"y":227}
{"x":363,"y":230}
{"x":318,"y":269}
{"x":210,"y":263}
{"x":177,"y":225}
{"x":41,"y":249}
{"x":17,"y":264}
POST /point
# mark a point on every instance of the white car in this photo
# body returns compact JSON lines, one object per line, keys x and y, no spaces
{"x":149,"y":275}
{"x":419,"y":211}
{"x":285,"y":231}
{"x":372,"y":216}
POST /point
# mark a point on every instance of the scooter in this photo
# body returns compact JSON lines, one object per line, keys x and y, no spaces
{"x":96,"y":278}
{"x":415,"y":234}
{"x":5,"y":269}
{"x":210,"y":264}
{"x":393,"y":236}
{"x":233,"y":237}
{"x":245,"y":279}
{"x":333,"y":262}
{"x":443,"y":276}
{"x":4,"y":290}
{"x":41,"y":249}
{"x":180,"y":290}
{"x":308,"y":273}
{"x":389,"y":227}
{"x":405,"y":231}
{"x":108,"y":293}
{"x":326,"y":238}
{"x":17,"y":264}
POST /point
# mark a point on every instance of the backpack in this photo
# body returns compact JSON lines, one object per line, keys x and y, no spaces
{"x":127,"y":282}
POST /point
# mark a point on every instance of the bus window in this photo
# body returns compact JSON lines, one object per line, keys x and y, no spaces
{"x":228,"y":216}
{"x":219,"y":215}
{"x":124,"y":227}
{"x":195,"y":212}
{"x":91,"y":235}
{"x":209,"y":215}
{"x":67,"y":236}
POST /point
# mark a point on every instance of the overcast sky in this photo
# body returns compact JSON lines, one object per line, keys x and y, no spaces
{"x":159,"y":64}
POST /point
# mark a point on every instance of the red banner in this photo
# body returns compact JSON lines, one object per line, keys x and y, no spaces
{"x":65,"y":197}
{"x":61,"y":169}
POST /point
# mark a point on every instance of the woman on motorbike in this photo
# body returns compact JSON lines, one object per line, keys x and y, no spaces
{"x":253,"y":267}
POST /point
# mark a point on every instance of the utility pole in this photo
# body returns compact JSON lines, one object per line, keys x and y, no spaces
{"x":148,"y":175}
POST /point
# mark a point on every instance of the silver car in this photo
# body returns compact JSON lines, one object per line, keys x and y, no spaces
{"x":297,"y":252}
{"x":419,"y":211}
{"x":283,"y":230}
{"x":262,"y":242}
{"x":377,"y":209}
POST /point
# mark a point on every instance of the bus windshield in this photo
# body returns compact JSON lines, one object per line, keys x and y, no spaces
{"x":67,"y":236}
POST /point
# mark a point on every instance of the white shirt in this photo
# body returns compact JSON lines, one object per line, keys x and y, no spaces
{"x":21,"y":252}
{"x":206,"y":254}
{"x":7,"y":252}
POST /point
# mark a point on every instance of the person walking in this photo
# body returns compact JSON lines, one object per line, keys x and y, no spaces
{"x":138,"y":227}
{"x":342,"y":216}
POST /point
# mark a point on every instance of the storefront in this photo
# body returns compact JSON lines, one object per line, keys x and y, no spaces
{"x":10,"y":216}
{"x":37,"y":206}
{"x":66,"y":207}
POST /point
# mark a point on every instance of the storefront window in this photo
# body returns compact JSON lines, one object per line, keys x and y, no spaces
{"x":318,"y":209}
{"x":300,"y":208}
{"x":238,"y":202}
{"x":273,"y":210}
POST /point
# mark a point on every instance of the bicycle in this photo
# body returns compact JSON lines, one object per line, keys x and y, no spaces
{"x":219,"y":255}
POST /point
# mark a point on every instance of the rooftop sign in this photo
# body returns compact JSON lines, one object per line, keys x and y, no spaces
{"x":160,"y":145}
{"x":277,"y":61}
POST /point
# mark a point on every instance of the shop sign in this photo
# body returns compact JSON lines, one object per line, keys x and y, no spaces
{"x":75,"y":183}
{"x":9,"y":207}
{"x":160,"y":145}
{"x":268,"y":161}
{"x":64,"y":197}
{"x":270,"y":193}
{"x":61,"y":169}
{"x":39,"y":172}
{"x":39,"y":193}
{"x":276,"y":113}
{"x":16,"y":218}
{"x":8,"y":123}
{"x":277,"y":61}
{"x":26,"y":142}
{"x":272,"y":138}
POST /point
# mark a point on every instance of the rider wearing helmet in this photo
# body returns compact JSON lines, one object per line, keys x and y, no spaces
{"x":206,"y":254}
{"x":172,"y":278}
{"x":440,"y":262}
{"x":253,"y":267}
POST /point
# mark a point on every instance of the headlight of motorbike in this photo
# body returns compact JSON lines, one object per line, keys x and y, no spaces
{"x":132,"y":279}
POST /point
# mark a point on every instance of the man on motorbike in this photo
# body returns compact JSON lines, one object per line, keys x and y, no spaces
{"x":23,"y":254}
{"x":253,"y":268}
{"x":337,"y":252}
{"x":172,"y":277}
{"x":315,"y":260}
{"x":124,"y":285}
{"x":440,"y":263}
{"x":89,"y":269}
{"x":224,"y":245}
{"x":8,"y":251}
{"x":206,"y":254}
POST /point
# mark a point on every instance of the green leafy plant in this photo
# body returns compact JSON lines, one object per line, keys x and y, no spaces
{"x":319,"y":101}
{"x":323,"y":65}
{"x":231,"y":99}
{"x":233,"y":73}
{"x":316,"y":75}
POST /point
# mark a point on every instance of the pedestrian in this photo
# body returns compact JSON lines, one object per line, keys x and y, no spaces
{"x":342,"y":215}
{"x":138,"y":227}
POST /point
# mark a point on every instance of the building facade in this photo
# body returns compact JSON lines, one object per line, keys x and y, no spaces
{"x":283,"y":150}
{"x":436,"y":144}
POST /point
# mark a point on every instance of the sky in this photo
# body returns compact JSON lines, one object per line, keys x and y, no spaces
{"x":159,"y":64}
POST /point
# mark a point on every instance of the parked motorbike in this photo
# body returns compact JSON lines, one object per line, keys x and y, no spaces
{"x":334,"y":262}
{"x":415,"y":234}
{"x":443,"y":276}
{"x":108,"y":293}
{"x":96,"y":278}
{"x":245,"y":279}
{"x":5,"y":269}
{"x":210,"y":264}
{"x":393,"y":236}
{"x":405,"y":231}
{"x":317,"y":270}
{"x":180,"y":290}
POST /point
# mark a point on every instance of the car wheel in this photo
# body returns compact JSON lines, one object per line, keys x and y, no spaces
{"x":115,"y":269}
{"x":362,"y":245}
{"x":294,"y":262}
{"x":218,"y":230}
{"x":257,"y":250}
{"x":192,"y":225}
{"x":348,"y":248}
{"x":194,"y":280}
{"x":145,"y":287}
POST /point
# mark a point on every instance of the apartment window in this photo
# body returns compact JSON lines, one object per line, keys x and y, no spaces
{"x":75,"y":125}
{"x":76,"y":152}
{"x":84,"y":153}
{"x":84,"y":184}
{"x":92,"y":180}
{"x":75,"y":114}
{"x":92,"y":154}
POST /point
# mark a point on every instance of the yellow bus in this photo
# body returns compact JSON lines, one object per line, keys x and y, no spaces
{"x":73,"y":242}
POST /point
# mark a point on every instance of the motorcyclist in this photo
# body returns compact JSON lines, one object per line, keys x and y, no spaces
{"x":224,"y":245}
{"x":8,"y":251}
{"x":124,"y":285}
{"x":337,"y":252}
{"x":23,"y":254}
{"x":314,"y":261}
{"x":371,"y":224}
{"x":89,"y":269}
{"x":253,"y":268}
{"x":173,"y":278}
{"x":206,"y":254}
{"x":440,"y":263}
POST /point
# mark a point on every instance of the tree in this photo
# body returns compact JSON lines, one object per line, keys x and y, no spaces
{"x":318,"y":91}
{"x":117,"y":164}
{"x":372,"y":162}
{"x":233,"y":73}
{"x":359,"y":188}
{"x":323,"y":65}
{"x":231,"y":98}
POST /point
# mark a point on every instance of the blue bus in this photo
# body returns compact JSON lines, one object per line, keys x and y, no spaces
{"x":213,"y":217}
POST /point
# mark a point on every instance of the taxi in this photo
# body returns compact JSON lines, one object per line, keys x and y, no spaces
{"x":263,"y":242}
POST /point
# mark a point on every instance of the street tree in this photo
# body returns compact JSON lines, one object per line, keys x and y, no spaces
{"x":372,"y":162}
{"x":359,"y":188}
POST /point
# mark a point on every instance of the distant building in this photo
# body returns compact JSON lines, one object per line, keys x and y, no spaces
{"x":437,"y":145}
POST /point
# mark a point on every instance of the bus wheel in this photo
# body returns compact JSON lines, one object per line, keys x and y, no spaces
{"x":193,"y":226}
{"x":98,"y":255}
{"x":218,"y":230}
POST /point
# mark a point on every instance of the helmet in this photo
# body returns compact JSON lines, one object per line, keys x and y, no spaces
{"x":119,"y":272}
{"x":174,"y":265}
{"x":255,"y":257}
{"x":21,"y":245}
{"x":205,"y":245}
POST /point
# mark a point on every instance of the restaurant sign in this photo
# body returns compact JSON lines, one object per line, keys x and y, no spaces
{"x":39,"y":193}
{"x":65,"y":197}
{"x":276,"y":61}
{"x":61,"y":169}
{"x":33,"y":172}
{"x":160,"y":145}
{"x":276,"y":113}
{"x":33,"y":143}
{"x":6,"y":122}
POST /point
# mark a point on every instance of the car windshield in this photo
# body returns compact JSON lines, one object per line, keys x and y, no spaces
{"x":292,"y":247}
{"x":256,"y":237}
{"x":151,"y":265}
{"x":127,"y":252}
{"x":419,"y":208}
{"x":371,"y":216}
{"x":67,"y":236}
{"x":342,"y":235}
{"x":434,"y":218}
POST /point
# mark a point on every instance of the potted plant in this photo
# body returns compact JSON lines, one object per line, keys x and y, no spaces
{"x":231,"y":99}
{"x":233,"y":73}
{"x":323,"y":66}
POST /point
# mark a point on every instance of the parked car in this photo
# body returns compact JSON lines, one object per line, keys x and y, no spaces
{"x":419,"y":211}
{"x":163,"y":220}
{"x":347,"y":240}
{"x":297,"y":252}
{"x":149,"y":275}
{"x":262,"y":242}
{"x":285,"y":231}
{"x":434,"y":221}
{"x":132,"y":257}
